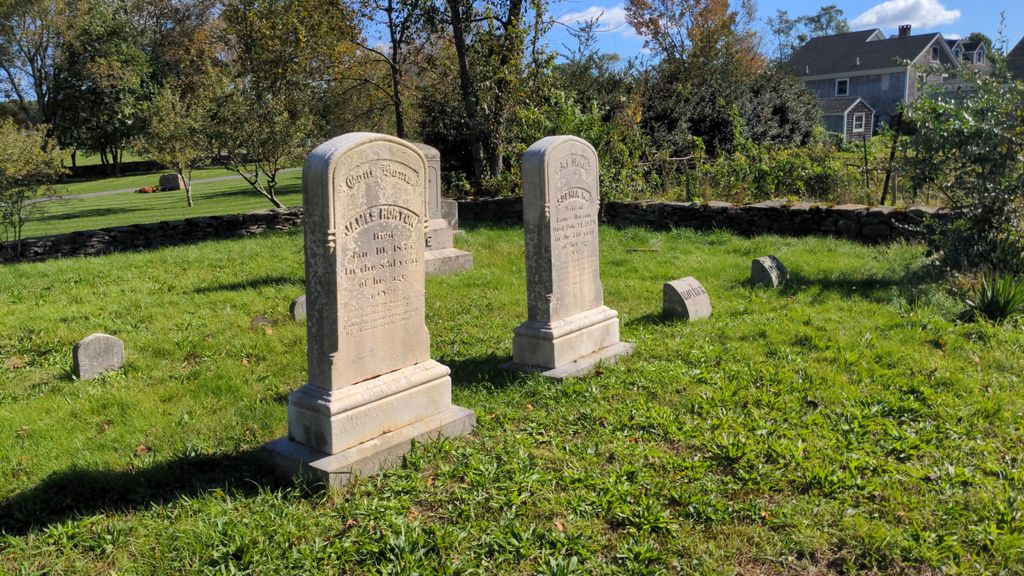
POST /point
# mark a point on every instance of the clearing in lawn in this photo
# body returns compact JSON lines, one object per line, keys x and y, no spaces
{"x":844,"y":423}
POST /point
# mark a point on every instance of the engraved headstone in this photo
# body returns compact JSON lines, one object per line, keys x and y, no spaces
{"x":569,"y":329}
{"x":372,"y":388}
{"x":441,"y":255}
{"x":96,"y":354}
{"x":297,"y":309}
{"x":171,"y":182}
{"x":768,"y":271}
{"x":685,"y":298}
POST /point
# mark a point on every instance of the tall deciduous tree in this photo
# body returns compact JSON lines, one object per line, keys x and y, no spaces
{"x":31,"y":33}
{"x":283,"y":54}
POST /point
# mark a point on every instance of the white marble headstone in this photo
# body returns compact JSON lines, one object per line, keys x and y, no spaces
{"x":685,"y":298}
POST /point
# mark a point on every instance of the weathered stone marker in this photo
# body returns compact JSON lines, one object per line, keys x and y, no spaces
{"x":441,"y":255}
{"x":171,"y":182}
{"x":373,"y":388}
{"x":768,"y":271}
{"x":569,"y":329}
{"x":297,"y":309}
{"x":685,"y":298}
{"x":96,"y":354}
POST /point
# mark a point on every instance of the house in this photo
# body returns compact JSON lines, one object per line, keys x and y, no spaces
{"x":971,"y":54}
{"x":884,"y":73}
{"x":1015,"y":61}
{"x":849,"y":116}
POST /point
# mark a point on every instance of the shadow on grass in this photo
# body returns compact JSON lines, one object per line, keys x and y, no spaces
{"x":470,"y":225}
{"x":653,"y":320}
{"x":480,"y":370}
{"x":908,"y":285}
{"x":77,"y":493}
{"x":90,"y":213}
{"x":252,"y":284}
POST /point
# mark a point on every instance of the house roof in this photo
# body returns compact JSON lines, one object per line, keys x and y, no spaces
{"x":952,"y":43}
{"x":839,"y":53}
{"x":840,"y":106}
{"x":1015,"y":60}
{"x":971,"y":46}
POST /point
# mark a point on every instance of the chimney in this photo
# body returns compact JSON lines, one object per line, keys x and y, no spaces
{"x":905,"y":31}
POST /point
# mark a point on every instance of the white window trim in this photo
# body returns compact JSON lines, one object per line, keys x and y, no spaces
{"x":863,"y":121}
{"x":847,"y":92}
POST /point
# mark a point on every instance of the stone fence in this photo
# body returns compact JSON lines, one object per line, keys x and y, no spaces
{"x":853,"y":221}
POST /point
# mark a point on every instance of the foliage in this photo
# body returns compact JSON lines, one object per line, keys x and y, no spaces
{"x":29,"y":162}
{"x":969,"y":148}
{"x":792,"y":32}
{"x":177,"y":131}
{"x":285,"y":52}
{"x":996,"y":297}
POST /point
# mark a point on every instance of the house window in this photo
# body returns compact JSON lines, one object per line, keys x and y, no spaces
{"x":979,"y":56}
{"x":935,"y":53}
{"x":858,"y":122}
{"x":842,"y":87}
{"x":959,"y":53}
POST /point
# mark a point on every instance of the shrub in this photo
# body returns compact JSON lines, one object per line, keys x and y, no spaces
{"x":997,"y":297}
{"x":969,"y":148}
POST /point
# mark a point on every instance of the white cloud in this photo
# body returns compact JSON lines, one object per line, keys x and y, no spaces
{"x":952,"y":36}
{"x":611,"y":19}
{"x":918,"y":13}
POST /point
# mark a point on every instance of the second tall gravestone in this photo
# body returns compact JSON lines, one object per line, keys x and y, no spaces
{"x":569,"y":329}
{"x":441,"y":255}
{"x":373,"y":388}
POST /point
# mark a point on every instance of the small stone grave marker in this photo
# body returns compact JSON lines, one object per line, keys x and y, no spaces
{"x":171,"y":182}
{"x":685,"y":298}
{"x":298,"y":308}
{"x":568,"y":328}
{"x":96,"y":354}
{"x":768,"y":271}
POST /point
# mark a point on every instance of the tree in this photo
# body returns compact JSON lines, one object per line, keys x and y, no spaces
{"x":970,"y":149}
{"x":404,"y":24}
{"x":791,"y":33}
{"x":283,"y":56}
{"x":176,"y":132}
{"x":29,"y":162}
{"x":31,"y":32}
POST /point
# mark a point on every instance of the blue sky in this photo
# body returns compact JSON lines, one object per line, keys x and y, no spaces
{"x":953,"y":18}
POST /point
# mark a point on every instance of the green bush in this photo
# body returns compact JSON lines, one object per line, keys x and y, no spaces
{"x":969,"y":148}
{"x":997,"y":297}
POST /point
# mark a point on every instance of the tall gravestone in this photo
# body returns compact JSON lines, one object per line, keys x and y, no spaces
{"x":372,"y":388}
{"x":441,"y":255}
{"x":569,"y":329}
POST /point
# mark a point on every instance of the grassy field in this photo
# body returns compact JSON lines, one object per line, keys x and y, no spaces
{"x":844,"y":424}
{"x":212,"y":198}
{"x":90,"y":158}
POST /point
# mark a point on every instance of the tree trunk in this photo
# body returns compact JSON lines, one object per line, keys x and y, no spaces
{"x":188,"y":186}
{"x":396,"y":70}
{"x":74,"y":158}
{"x":468,"y":93}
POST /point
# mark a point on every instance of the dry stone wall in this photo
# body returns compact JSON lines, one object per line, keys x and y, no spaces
{"x":875,"y":224}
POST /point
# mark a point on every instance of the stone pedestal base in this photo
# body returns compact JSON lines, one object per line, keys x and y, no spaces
{"x":570,"y":347}
{"x":291,"y":458}
{"x":447,"y":261}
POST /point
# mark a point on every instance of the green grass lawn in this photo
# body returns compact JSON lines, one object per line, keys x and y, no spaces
{"x":212,"y":198}
{"x":85,"y":158}
{"x":844,"y":424}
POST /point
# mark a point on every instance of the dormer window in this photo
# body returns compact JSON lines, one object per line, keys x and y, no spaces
{"x":979,"y":56}
{"x":935,"y":53}
{"x":842,"y":87}
{"x":959,"y":53}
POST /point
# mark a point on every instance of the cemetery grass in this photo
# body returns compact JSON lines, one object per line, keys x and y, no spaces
{"x":844,"y":424}
{"x":211,"y":199}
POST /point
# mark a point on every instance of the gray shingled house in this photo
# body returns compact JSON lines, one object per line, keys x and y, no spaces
{"x":849,"y":116}
{"x":1015,"y":61}
{"x":883,"y":73}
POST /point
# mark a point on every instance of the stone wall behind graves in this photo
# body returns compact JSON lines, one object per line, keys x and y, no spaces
{"x":862,"y":223}
{"x":854,"y":221}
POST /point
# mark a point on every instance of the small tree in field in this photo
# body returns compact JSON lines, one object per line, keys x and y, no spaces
{"x":176,"y":133}
{"x":29,"y":163}
{"x":970,"y":148}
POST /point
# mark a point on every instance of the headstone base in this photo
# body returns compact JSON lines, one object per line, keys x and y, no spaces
{"x":447,"y":261}
{"x":586,"y":337}
{"x":577,"y":368}
{"x":291,"y":458}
